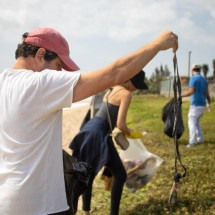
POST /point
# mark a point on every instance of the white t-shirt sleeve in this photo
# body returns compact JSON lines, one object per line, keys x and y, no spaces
{"x":57,"y":88}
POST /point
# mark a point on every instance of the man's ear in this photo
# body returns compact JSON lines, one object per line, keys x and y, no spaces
{"x":40,"y":55}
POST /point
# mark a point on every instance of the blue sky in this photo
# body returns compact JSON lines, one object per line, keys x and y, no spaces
{"x":100,"y":31}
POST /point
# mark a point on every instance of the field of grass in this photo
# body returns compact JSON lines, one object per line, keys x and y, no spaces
{"x":196,"y":193}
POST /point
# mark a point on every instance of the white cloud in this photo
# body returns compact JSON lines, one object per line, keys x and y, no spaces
{"x":115,"y":26}
{"x":200,"y":5}
{"x":118,"y":20}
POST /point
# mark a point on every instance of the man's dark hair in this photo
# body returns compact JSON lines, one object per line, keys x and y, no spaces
{"x":197,"y":69}
{"x":25,"y":50}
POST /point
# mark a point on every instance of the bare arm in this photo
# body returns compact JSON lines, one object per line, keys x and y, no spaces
{"x":208,"y":100}
{"x":190,"y":91}
{"x":208,"y":97}
{"x":124,"y":68}
{"x":123,"y":110}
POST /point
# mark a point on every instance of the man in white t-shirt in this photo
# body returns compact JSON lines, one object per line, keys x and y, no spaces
{"x":33,"y":93}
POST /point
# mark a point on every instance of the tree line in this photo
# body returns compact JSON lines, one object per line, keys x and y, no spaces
{"x":162,"y":73}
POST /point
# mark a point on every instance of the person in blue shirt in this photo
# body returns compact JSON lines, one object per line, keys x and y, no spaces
{"x":198,"y":90}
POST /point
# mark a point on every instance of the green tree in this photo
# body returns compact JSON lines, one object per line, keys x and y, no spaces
{"x":157,"y":77}
{"x":205,"y":70}
{"x":213,"y":68}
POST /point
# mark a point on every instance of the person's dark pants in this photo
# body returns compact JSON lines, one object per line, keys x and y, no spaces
{"x":118,"y":171}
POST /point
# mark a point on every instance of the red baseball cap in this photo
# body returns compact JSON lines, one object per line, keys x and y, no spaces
{"x":52,"y":40}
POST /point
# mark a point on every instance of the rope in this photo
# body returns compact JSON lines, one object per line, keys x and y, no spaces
{"x":177,"y":105}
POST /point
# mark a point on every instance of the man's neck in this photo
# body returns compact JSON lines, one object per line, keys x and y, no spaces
{"x":24,"y":63}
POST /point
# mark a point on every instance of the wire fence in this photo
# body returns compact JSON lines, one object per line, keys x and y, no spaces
{"x":166,"y":88}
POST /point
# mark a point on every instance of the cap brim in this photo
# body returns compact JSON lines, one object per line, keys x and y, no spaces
{"x":145,"y":86}
{"x":142,"y":86}
{"x":69,"y":64}
{"x":139,"y":84}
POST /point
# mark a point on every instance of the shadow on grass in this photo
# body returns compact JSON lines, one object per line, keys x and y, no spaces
{"x":207,"y":142}
{"x":183,"y":206}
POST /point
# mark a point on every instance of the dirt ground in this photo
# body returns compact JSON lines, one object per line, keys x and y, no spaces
{"x":72,"y":119}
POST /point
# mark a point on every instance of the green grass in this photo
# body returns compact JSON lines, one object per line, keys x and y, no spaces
{"x":196,"y":193}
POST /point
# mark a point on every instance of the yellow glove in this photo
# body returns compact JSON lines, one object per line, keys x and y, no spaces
{"x":135,"y":135}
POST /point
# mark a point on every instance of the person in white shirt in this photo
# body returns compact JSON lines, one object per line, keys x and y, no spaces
{"x":33,"y":93}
